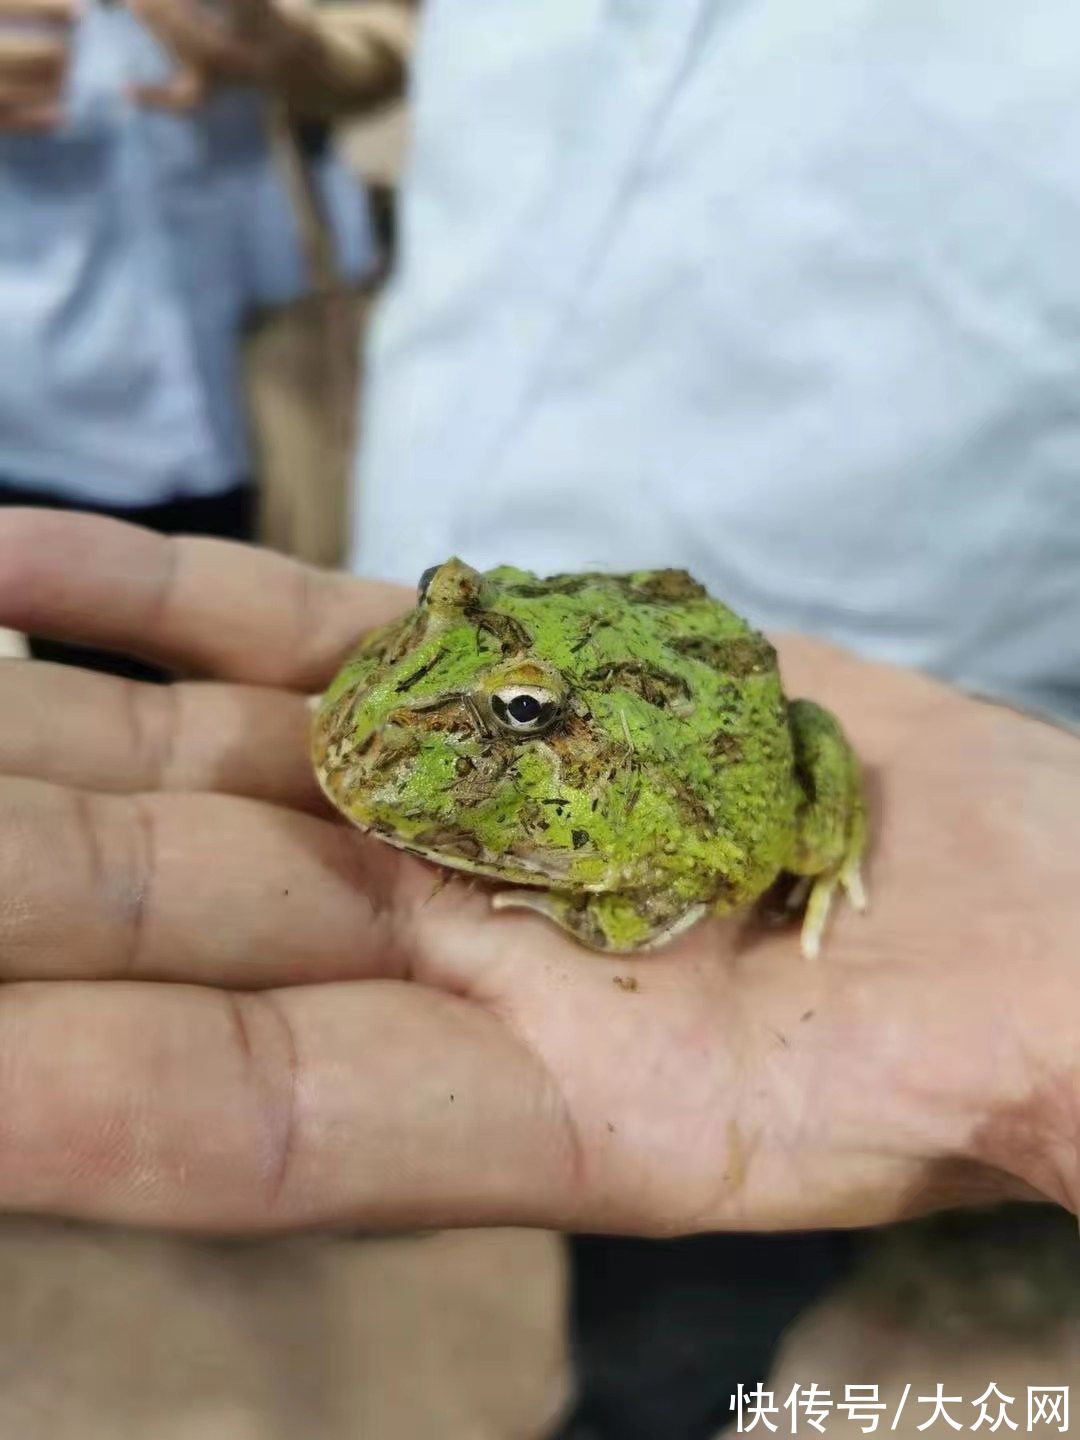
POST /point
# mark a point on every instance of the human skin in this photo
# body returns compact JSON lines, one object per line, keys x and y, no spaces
{"x":228,"y":1011}
{"x":315,"y":68}
{"x":35,"y":44}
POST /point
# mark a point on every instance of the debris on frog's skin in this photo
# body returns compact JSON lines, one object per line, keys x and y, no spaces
{"x":626,"y":982}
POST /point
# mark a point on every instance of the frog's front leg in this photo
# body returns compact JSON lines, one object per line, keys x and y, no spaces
{"x":614,"y":923}
{"x":830,"y":834}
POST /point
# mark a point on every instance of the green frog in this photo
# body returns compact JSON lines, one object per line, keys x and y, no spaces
{"x":615,"y":749}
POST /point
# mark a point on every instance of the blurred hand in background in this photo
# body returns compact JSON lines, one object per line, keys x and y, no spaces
{"x":319,"y":63}
{"x":35,"y":48}
{"x":238,"y":42}
{"x":241,"y":42}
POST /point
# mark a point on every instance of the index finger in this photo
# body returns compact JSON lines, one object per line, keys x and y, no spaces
{"x":49,"y":12}
{"x":208,"y":606}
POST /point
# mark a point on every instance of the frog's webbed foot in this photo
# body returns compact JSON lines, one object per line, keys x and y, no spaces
{"x":832,"y":824}
{"x":604,"y":921}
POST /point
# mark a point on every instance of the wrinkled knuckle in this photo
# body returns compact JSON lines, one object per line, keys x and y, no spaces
{"x":265,"y":1041}
{"x":314,"y":604}
{"x":304,"y":606}
{"x":162,"y":601}
{"x":134,"y":886}
{"x":12,"y":1101}
{"x":155,"y":714}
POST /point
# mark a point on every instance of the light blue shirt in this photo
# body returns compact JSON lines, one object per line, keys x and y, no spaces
{"x":133,"y":245}
{"x":785,"y":293}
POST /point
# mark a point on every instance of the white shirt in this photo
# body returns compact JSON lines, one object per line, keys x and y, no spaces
{"x":785,"y":293}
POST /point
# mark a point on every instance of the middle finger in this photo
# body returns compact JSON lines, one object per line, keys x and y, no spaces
{"x":98,"y":732}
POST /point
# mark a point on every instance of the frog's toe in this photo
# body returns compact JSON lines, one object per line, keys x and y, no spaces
{"x":795,"y":899}
{"x":822,"y":889}
{"x":817,"y":912}
{"x":851,"y":878}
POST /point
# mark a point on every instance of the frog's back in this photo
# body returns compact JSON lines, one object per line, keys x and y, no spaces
{"x":689,"y":693}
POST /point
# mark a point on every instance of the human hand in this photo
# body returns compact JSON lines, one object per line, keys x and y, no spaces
{"x":35,"y":47}
{"x":242,"y":42}
{"x":302,"y":1027}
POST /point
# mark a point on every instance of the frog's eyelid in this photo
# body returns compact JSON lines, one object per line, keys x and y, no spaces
{"x":425,"y":580}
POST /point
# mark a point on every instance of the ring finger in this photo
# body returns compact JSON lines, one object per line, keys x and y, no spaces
{"x":205,"y":889}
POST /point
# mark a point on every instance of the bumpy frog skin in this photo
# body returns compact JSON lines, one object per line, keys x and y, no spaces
{"x":617,"y":748}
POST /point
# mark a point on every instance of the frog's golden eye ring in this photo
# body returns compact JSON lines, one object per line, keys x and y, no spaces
{"x":522,"y":697}
{"x":525,"y":709}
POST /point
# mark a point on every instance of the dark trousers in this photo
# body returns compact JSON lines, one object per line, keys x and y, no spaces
{"x":228,"y":516}
{"x":663,"y":1331}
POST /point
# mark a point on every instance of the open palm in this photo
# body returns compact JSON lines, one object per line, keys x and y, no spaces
{"x":231,"y":1011}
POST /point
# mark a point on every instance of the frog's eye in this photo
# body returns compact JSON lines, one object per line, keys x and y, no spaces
{"x":425,"y":580}
{"x":525,"y":709}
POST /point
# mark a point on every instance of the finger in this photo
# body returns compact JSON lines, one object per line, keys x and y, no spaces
{"x":204,"y":605}
{"x":17,"y":96}
{"x":186,"y":91}
{"x":196,"y":39}
{"x":97,"y":732}
{"x":31,"y":59}
{"x":45,"y":12}
{"x":202,"y":888}
{"x":380,"y":1105}
{"x":29,"y":119}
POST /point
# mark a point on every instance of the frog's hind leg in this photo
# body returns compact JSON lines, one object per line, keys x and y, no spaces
{"x":605,"y":921}
{"x":831,"y":829}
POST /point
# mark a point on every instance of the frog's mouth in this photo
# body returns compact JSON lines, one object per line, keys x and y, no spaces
{"x":459,"y":849}
{"x":524,"y":865}
{"x":469,"y":856}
